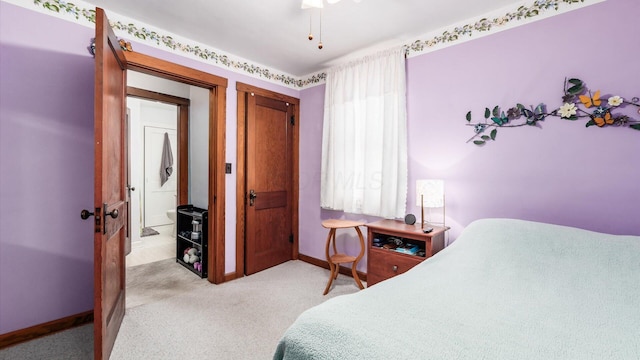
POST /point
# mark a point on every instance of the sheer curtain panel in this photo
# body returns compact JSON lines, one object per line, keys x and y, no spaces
{"x":364,"y":140}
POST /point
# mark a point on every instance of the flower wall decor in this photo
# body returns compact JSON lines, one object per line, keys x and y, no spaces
{"x":578,"y":102}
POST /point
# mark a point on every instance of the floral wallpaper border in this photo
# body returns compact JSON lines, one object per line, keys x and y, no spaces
{"x":537,"y":8}
{"x":523,"y":12}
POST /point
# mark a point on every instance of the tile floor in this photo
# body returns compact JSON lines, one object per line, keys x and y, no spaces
{"x":153,"y":248}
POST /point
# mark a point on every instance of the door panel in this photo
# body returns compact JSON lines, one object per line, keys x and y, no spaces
{"x":269,"y":175}
{"x":110,"y":188}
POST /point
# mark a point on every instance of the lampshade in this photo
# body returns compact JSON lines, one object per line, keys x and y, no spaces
{"x":431,"y":191}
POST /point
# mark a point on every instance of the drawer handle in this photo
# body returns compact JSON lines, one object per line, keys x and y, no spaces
{"x":395,"y":268}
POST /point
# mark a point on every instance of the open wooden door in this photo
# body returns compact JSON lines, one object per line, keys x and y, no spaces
{"x":110,"y":188}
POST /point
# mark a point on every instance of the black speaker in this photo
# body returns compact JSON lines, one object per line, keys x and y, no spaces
{"x":410,"y":219}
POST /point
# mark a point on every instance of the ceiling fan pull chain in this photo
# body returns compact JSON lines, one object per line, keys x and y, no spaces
{"x":320,"y":43}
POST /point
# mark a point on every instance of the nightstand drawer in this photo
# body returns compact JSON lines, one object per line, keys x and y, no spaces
{"x":384,"y":264}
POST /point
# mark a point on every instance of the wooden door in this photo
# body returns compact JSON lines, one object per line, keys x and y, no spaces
{"x":269,"y":185}
{"x":110,"y":188}
{"x":127,"y":149}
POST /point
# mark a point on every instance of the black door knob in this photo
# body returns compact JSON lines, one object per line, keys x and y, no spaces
{"x":85,"y":214}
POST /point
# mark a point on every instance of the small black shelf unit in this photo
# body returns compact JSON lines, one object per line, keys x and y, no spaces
{"x":186,"y":214}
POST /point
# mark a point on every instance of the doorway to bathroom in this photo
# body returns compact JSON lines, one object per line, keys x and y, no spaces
{"x":158,"y":112}
{"x":154,"y":171}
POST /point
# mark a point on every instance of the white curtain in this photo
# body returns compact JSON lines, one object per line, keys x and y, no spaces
{"x":364,"y":140}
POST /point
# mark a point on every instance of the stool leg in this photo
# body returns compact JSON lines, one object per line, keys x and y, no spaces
{"x":332,"y":266}
{"x":354,"y":272}
{"x":336,"y":267}
{"x":355,"y":276}
{"x":326,"y":290}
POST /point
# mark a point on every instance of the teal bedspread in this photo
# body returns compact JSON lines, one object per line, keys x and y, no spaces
{"x":505,"y":289}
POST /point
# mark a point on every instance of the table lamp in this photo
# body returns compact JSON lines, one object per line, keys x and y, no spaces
{"x":430,"y":194}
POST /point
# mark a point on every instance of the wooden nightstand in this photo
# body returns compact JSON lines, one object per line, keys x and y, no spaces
{"x":385,"y":263}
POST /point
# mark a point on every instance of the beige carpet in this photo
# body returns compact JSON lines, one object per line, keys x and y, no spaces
{"x":159,"y":280}
{"x":185,"y":317}
{"x":241,"y":319}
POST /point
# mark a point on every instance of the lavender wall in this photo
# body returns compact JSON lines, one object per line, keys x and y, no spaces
{"x":46,"y":162}
{"x":562,"y":173}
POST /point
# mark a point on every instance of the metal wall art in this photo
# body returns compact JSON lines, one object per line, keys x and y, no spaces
{"x":578,"y":102}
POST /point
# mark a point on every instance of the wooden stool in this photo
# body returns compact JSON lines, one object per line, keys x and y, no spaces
{"x":336,"y":259}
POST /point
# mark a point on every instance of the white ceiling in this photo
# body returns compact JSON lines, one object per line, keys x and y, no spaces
{"x":274,"y":32}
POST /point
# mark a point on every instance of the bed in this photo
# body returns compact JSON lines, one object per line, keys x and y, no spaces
{"x":505,"y":289}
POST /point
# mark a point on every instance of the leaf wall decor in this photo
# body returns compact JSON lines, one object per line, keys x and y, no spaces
{"x":578,"y":102}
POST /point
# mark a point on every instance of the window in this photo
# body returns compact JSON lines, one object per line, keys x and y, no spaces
{"x":364,"y":143}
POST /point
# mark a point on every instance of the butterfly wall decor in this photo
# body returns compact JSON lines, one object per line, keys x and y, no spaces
{"x":589,"y":101}
{"x":578,"y":102}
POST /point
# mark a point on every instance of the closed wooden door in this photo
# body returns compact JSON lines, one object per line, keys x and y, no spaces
{"x":269,"y":164}
{"x":110,"y":188}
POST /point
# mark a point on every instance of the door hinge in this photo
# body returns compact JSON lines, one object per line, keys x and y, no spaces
{"x":291,"y":238}
{"x":293,"y":120}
